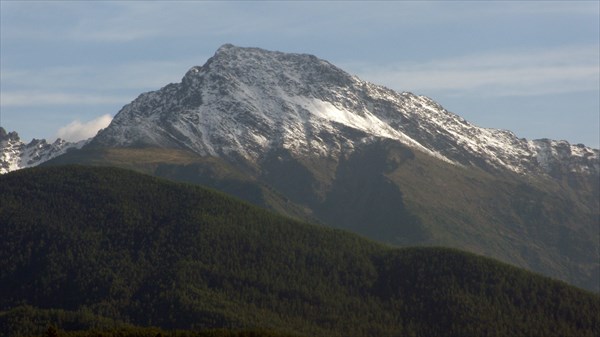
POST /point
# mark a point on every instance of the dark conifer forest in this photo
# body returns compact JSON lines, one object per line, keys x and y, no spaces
{"x":110,"y":252}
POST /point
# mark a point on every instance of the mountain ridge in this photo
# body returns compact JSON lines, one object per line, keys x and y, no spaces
{"x":16,"y":154}
{"x":249,"y":100}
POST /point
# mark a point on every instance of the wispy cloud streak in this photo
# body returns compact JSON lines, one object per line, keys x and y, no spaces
{"x":521,"y":73}
{"x":23,"y":98}
{"x":107,"y":84}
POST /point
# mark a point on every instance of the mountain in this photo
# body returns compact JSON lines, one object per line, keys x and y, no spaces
{"x":15,"y":154}
{"x":246,"y":102}
{"x":104,"y":247}
{"x":295,"y":134}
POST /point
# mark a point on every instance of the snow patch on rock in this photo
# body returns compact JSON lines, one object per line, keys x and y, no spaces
{"x":247,"y":101}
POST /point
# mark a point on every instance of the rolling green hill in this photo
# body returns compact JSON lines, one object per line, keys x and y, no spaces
{"x":106,"y":247}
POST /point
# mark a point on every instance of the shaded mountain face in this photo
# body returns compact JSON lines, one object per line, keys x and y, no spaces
{"x":318,"y":143}
{"x":15,"y":154}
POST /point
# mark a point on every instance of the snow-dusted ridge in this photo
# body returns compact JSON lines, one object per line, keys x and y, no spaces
{"x":248,"y":101}
{"x":15,"y":154}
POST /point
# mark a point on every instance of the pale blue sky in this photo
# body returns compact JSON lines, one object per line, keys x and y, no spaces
{"x":530,"y":67}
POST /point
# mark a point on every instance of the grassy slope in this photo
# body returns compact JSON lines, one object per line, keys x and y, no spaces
{"x":184,"y":166}
{"x":128,"y":247}
{"x":540,"y":224}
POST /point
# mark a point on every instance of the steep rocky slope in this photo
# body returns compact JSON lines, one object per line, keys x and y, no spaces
{"x":15,"y":154}
{"x":248,"y":101}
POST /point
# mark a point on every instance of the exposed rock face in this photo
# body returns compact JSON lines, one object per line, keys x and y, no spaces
{"x":15,"y":154}
{"x":248,"y":101}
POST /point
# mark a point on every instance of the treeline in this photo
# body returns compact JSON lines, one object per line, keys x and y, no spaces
{"x":112,"y":249}
{"x":53,"y":331}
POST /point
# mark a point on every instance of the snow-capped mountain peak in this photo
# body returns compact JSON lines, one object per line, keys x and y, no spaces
{"x":248,"y":101}
{"x":245,"y":102}
{"x":15,"y":154}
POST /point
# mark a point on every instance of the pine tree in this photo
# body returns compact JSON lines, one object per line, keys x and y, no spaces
{"x":52,"y":331}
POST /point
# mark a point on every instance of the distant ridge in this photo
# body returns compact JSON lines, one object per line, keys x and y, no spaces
{"x":15,"y":154}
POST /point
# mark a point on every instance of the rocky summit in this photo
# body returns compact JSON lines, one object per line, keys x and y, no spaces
{"x":248,"y":101}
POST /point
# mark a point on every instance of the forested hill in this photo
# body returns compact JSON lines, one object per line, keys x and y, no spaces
{"x":101,"y":247}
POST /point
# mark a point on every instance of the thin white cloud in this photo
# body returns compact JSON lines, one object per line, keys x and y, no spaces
{"x":78,"y":21}
{"x":128,"y":21}
{"x":522,"y":73}
{"x":88,"y":85}
{"x":25,"y":98}
{"x":76,"y":130}
{"x":144,"y":75}
{"x":538,"y":8}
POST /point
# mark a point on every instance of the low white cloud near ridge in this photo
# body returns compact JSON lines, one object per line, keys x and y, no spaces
{"x":76,"y":130}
